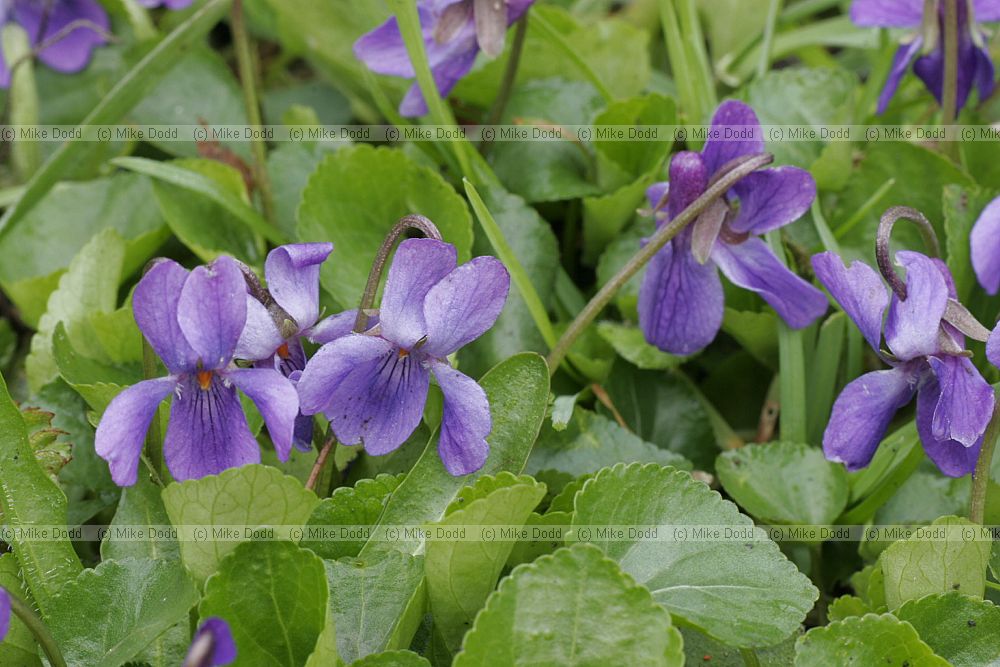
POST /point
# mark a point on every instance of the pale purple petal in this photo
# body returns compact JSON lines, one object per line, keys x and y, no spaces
{"x":680,"y":300}
{"x":4,"y":613}
{"x":887,"y":13}
{"x":293,"y":279}
{"x":950,"y":456}
{"x":212,"y":311}
{"x":863,"y":412}
{"x":739,"y":117}
{"x":655,"y":194}
{"x":212,"y":645}
{"x":154,"y":305}
{"x":753,"y":266}
{"x":772,"y":198}
{"x":417,"y":266}
{"x":987,"y":10}
{"x":688,"y":180}
{"x":859,"y":290}
{"x":122,"y":430}
{"x":465,"y":422}
{"x":4,"y":70}
{"x":985,"y":247}
{"x":446,"y":74}
{"x":208,"y":432}
{"x":516,"y":9}
{"x":275,"y":398}
{"x":966,"y":400}
{"x":905,"y":54}
{"x":260,"y":336}
{"x":911,"y":329}
{"x":72,"y":52}
{"x":993,"y":347}
{"x":383,"y":50}
{"x":464,"y":304}
{"x":331,"y":364}
{"x":336,"y":326}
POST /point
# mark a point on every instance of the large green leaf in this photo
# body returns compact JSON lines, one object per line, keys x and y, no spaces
{"x":360,"y":505}
{"x":355,"y":197}
{"x":273,"y":595}
{"x":784,"y":482}
{"x":865,"y":640}
{"x":376,"y":603}
{"x":249,"y":496}
{"x":461,"y":574}
{"x":575,"y":607}
{"x":960,"y":628}
{"x":736,"y":587}
{"x":948,"y":555}
{"x":30,"y":498}
{"x":108,"y":615}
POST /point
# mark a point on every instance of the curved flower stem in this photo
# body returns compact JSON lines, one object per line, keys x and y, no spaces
{"x":247,"y":64}
{"x":38,"y":629}
{"x":738,"y":169}
{"x":510,"y":74}
{"x":949,"y":92}
{"x":412,"y":221}
{"x":981,"y":475}
{"x":884,"y":236}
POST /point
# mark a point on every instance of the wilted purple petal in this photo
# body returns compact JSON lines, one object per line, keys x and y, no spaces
{"x":740,"y":118}
{"x":911,"y":329}
{"x":863,"y":411}
{"x":887,"y":13}
{"x":753,"y":266}
{"x":154,"y":305}
{"x":987,"y":10}
{"x":335,"y":326}
{"x":772,"y":198}
{"x":966,"y":400}
{"x":985,"y":247}
{"x":212,"y":645}
{"x":905,"y":54}
{"x":680,"y":300}
{"x":464,"y":304}
{"x":260,"y":336}
{"x":72,"y":52}
{"x":275,"y":398}
{"x":465,"y":422}
{"x":688,"y":180}
{"x":417,"y":266}
{"x":212,"y":311}
{"x":208,"y":432}
{"x":951,"y":457}
{"x":293,"y":279}
{"x":122,"y":430}
{"x":4,"y":613}
{"x":859,"y":290}
{"x":331,"y":364}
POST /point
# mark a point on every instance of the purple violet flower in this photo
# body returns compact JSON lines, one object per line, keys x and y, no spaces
{"x":975,"y":67}
{"x":193,"y":321}
{"x":43,"y":20}
{"x":292,"y":273}
{"x":212,"y":645}
{"x":681,"y":300}
{"x":173,"y":5}
{"x":928,"y":358}
{"x":373,"y":386}
{"x":4,"y":613}
{"x":453,"y":30}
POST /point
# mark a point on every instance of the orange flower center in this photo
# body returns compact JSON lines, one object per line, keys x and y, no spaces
{"x":283,"y":351}
{"x":204,"y":379}
{"x":403,"y":353}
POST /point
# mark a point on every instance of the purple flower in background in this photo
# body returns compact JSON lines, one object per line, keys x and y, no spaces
{"x":193,"y":321}
{"x":212,"y":645}
{"x":4,"y":613}
{"x":985,"y":247}
{"x":681,"y":300}
{"x":373,"y":386}
{"x":453,"y":30}
{"x":74,"y":21}
{"x":271,"y":339}
{"x":928,"y":358}
{"x":173,"y":5}
{"x":975,"y":67}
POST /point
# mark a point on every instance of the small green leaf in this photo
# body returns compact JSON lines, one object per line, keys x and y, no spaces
{"x":846,"y":606}
{"x":865,"y":640}
{"x":575,"y":607}
{"x":273,"y":595}
{"x":461,"y":574}
{"x":249,"y":496}
{"x":376,"y":602}
{"x":354,"y":198}
{"x":960,"y":628}
{"x":743,"y":592}
{"x":360,"y":505}
{"x":937,"y":559}
{"x":630,"y":343}
{"x":392,"y":659}
{"x":108,"y":615}
{"x":784,"y":482}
